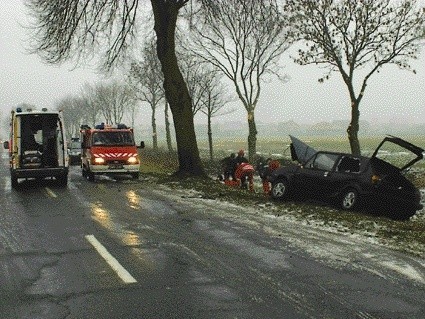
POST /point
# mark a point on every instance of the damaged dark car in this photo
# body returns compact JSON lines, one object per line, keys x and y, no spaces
{"x":377,"y":182}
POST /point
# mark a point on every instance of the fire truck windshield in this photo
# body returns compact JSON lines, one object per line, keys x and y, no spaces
{"x":110,"y":138}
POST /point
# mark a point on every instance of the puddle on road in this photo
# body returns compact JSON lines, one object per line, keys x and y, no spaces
{"x":133,"y":199}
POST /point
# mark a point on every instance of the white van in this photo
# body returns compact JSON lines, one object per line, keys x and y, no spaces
{"x":37,"y":145}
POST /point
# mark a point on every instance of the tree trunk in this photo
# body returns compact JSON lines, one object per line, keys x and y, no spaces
{"x":132,"y":117}
{"x":154,"y":132}
{"x":353,"y":129}
{"x":210,"y":141}
{"x":252,"y":136}
{"x":167,"y":128}
{"x":176,"y":92}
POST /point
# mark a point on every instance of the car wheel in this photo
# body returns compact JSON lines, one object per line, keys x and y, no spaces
{"x":349,"y":199}
{"x":279,"y":189}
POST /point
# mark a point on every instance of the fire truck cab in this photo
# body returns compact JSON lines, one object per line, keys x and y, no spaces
{"x":37,"y":145}
{"x":109,"y":150}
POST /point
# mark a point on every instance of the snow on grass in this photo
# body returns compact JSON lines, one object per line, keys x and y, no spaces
{"x":340,"y":239}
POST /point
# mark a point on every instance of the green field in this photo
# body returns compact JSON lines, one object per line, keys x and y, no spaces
{"x":274,"y":146}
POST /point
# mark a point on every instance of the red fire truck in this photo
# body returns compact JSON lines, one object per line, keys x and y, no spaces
{"x":109,"y":150}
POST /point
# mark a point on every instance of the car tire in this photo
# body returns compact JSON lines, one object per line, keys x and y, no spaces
{"x":349,"y":199}
{"x":279,"y":189}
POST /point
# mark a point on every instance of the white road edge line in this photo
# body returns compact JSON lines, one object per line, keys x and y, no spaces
{"x":112,"y":262}
{"x":50,"y":192}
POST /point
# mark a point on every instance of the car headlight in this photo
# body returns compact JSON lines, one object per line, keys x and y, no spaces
{"x":133,"y":160}
{"x":98,"y":161}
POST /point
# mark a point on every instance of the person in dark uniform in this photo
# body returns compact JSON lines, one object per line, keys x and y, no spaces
{"x":227,"y":166}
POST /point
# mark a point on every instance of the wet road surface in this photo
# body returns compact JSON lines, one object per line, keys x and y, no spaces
{"x":125,"y":249}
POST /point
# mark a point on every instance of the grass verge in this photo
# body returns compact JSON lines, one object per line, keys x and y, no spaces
{"x":406,"y":236}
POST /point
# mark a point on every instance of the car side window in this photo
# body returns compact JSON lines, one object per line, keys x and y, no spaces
{"x":323,"y":161}
{"x":349,"y":164}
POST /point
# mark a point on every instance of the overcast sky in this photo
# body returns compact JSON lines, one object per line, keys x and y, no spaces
{"x":392,"y":95}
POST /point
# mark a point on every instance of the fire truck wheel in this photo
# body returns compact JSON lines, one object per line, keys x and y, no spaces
{"x":90,"y":176}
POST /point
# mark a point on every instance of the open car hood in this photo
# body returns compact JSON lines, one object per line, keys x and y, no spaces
{"x":415,"y":151}
{"x":300,"y":151}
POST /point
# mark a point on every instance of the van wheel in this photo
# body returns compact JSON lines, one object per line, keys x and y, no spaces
{"x":14,"y":180}
{"x":348,"y":199}
{"x":62,"y":180}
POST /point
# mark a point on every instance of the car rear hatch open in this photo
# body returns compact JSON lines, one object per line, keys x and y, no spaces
{"x":398,"y":152}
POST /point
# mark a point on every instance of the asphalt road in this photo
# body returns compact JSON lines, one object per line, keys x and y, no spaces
{"x":118,"y":248}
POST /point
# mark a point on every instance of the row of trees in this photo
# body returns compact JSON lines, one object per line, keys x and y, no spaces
{"x":109,"y":101}
{"x":203,"y":82}
{"x":242,"y":40}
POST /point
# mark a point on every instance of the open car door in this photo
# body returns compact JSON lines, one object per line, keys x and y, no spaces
{"x":300,"y":151}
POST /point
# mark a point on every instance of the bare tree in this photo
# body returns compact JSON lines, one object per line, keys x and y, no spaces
{"x":176,"y":92}
{"x":193,"y":71}
{"x":73,"y":109}
{"x":215,"y":98}
{"x":145,"y":78}
{"x":131,"y":113}
{"x":76,"y":27}
{"x":114,"y":100}
{"x":91,"y":104}
{"x":350,"y":37}
{"x":244,"y":39}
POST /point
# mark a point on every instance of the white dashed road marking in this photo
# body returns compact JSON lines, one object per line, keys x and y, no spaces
{"x":112,"y":262}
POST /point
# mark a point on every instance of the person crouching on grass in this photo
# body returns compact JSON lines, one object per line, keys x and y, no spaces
{"x":243,"y":171}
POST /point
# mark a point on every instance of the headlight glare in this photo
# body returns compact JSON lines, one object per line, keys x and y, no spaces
{"x":99,"y":161}
{"x":133,"y":160}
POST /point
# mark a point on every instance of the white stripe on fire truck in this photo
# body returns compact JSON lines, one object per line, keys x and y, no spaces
{"x":114,"y":154}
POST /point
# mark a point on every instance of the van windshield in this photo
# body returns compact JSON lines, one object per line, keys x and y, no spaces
{"x":113,"y":138}
{"x":75,"y":145}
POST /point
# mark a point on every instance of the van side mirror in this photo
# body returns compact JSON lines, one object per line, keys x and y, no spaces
{"x":142,"y":144}
{"x":6,"y":144}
